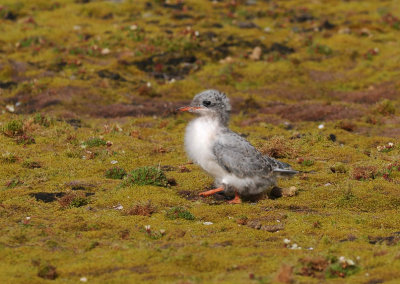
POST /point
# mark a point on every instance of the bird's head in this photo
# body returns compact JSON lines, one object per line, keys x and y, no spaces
{"x":211,"y":103}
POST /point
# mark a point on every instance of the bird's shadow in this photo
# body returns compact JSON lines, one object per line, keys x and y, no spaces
{"x":222,"y":197}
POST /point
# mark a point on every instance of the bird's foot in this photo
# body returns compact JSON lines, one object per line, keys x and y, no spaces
{"x":211,"y":192}
{"x":236,"y":200}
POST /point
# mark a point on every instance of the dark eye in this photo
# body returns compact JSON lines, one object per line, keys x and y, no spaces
{"x":206,"y":103}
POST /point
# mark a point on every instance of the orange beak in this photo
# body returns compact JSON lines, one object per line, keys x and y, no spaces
{"x":187,"y":108}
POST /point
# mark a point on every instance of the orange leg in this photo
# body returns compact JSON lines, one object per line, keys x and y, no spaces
{"x":236,"y":200}
{"x":211,"y":192}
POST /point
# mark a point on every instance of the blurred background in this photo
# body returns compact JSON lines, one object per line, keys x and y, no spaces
{"x":278,"y":60}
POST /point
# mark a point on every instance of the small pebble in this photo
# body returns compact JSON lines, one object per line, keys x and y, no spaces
{"x":207,"y":223}
{"x":83,"y":279}
{"x":113,"y":162}
{"x":321,"y":126}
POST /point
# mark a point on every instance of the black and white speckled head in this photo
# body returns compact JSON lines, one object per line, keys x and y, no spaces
{"x":211,"y":103}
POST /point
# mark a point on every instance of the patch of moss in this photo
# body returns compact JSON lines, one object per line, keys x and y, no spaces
{"x":385,"y":107}
{"x":146,"y":209}
{"x":31,"y":165}
{"x":25,"y":140}
{"x":146,"y":176}
{"x":9,"y":158}
{"x":13,"y":183}
{"x":13,"y":128}
{"x":41,"y":120}
{"x":47,"y":271}
{"x":179,"y":213}
{"x":115,"y":173}
{"x":73,"y":199}
{"x":95,"y":142}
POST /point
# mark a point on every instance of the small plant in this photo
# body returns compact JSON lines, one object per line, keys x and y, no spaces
{"x":307,"y":163}
{"x":13,"y":128}
{"x":390,"y":171}
{"x":242,"y":220}
{"x":47,"y":271}
{"x":386,"y":148}
{"x":364,"y":173}
{"x":392,"y":21}
{"x":9,"y":158}
{"x":73,"y":199}
{"x":342,"y":268}
{"x":371,"y":53}
{"x":154,"y":235}
{"x":385,"y":107}
{"x":41,"y":120}
{"x":179,"y":212}
{"x":278,"y":147}
{"x":95,"y":142}
{"x":31,"y":165}
{"x":146,"y":176}
{"x":146,"y":209}
{"x":73,"y":154}
{"x":25,"y":140}
{"x":320,"y":49}
{"x":330,"y":267}
{"x":13,"y":183}
{"x":115,"y":173}
{"x":339,"y":168}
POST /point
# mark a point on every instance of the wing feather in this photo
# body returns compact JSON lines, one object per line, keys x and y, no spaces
{"x":236,"y":155}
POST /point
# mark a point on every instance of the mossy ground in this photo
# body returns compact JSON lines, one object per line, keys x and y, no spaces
{"x":95,"y":83}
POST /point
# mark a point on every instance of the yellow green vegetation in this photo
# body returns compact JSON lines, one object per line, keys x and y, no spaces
{"x":95,"y":184}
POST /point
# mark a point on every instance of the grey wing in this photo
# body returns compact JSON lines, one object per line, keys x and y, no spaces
{"x":239,"y":157}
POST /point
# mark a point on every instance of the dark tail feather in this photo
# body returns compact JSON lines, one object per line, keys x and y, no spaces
{"x":285,"y":172}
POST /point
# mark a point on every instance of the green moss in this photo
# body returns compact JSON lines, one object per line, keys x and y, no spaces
{"x":179,"y":212}
{"x":79,"y":202}
{"x":342,"y":270}
{"x":47,"y":271}
{"x":115,"y":173}
{"x":25,"y":140}
{"x":13,"y":128}
{"x":31,"y":164}
{"x":9,"y":157}
{"x":95,"y":142}
{"x":13,"y":183}
{"x":41,"y":120}
{"x":385,"y":107}
{"x":146,"y":176}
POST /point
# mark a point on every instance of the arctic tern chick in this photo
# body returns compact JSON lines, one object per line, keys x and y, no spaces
{"x":237,"y":166}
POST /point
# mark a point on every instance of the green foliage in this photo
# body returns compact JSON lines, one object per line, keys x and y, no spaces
{"x":179,"y":212}
{"x":79,"y":202}
{"x":13,"y":128}
{"x":307,"y":163}
{"x":41,"y":120}
{"x":320,"y":49}
{"x":14,"y":182}
{"x":339,"y":168}
{"x":115,"y":173}
{"x":25,"y":140}
{"x":385,"y":107}
{"x":146,"y":176}
{"x":9,"y":158}
{"x":95,"y":142}
{"x":342,"y":270}
{"x":47,"y":271}
{"x":31,"y":164}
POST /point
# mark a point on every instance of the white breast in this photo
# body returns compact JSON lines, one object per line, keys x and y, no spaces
{"x":199,"y":140}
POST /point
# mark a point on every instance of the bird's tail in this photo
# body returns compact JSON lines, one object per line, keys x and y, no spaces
{"x":280,"y":168}
{"x":285,"y":172}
